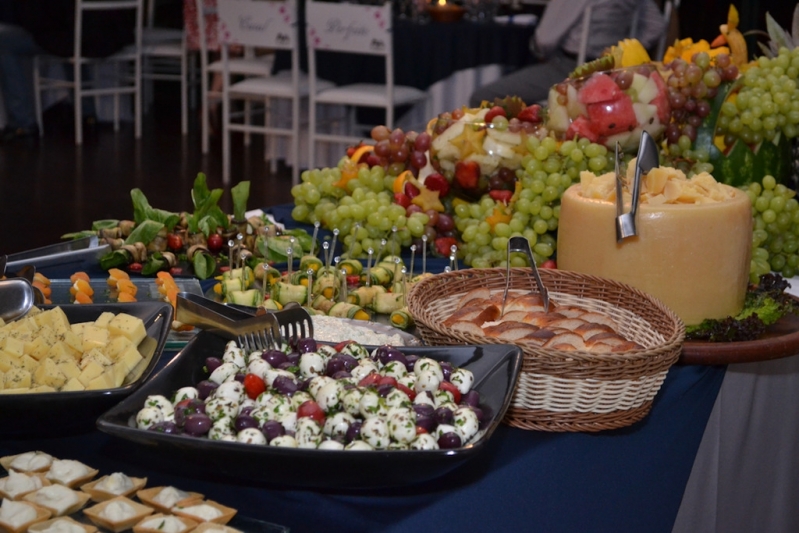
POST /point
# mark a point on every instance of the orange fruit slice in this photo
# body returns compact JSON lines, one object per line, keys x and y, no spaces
{"x":81,"y":285}
{"x":82,"y":298}
{"x":127,"y":286}
{"x":46,"y":290}
{"x":126,"y":297}
{"x":41,"y":278}
{"x":79,"y":275}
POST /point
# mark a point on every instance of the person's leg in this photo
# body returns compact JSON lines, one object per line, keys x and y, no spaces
{"x":530,"y":83}
{"x":17,"y":49}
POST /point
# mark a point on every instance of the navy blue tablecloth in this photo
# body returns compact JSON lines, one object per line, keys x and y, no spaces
{"x":627,"y":480}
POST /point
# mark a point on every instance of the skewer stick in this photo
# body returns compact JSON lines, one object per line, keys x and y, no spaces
{"x":327,"y":253}
{"x":333,"y":246}
{"x":342,"y":294}
{"x":230,"y":245}
{"x":313,"y":240}
{"x":424,"y":254}
{"x":369,"y":268}
{"x":453,"y":257}
{"x":290,"y":257}
{"x":310,"y":287}
{"x":413,"y":254}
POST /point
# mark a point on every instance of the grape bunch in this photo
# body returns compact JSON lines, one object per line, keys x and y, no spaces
{"x":547,"y":171}
{"x":775,"y":237}
{"x":767,"y":103}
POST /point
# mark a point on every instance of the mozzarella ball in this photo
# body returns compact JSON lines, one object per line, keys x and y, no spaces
{"x":372,"y":405}
{"x":251,"y":436}
{"x":298,"y":398}
{"x":185,"y":393}
{"x":235,"y":355}
{"x":355,"y":350}
{"x":441,"y":429}
{"x":427,"y":380}
{"x":330,"y":444}
{"x":283,"y":441}
{"x":221,"y":428}
{"x":311,"y":365}
{"x":395,"y":369}
{"x":327,"y":397}
{"x":338,"y":424}
{"x":276,"y":406}
{"x":225,"y":372}
{"x":442,"y":396}
{"x":246,"y":402}
{"x":398,"y":446}
{"x":431,"y":365}
{"x":273,"y":373}
{"x":288,"y":421}
{"x":402,"y":425}
{"x":259,"y":367}
{"x":462,"y":379}
{"x":358,"y":445}
{"x":425,"y":397}
{"x":424,"y":441}
{"x":317,"y":383}
{"x":216,"y":408}
{"x":161,"y":403}
{"x":409,"y":380}
{"x":351,"y":401}
{"x":361,"y":371}
{"x":326,"y":351}
{"x":374,"y":432}
{"x":397,"y":398}
{"x":467,"y":423}
{"x":230,"y":390}
{"x":308,"y":433}
{"x":253,"y":355}
{"x":148,"y":417}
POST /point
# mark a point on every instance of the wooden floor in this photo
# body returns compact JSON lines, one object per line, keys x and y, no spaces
{"x":49,"y":186}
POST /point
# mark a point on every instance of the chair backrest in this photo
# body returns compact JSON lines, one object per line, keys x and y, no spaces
{"x":83,"y":6}
{"x":258,"y":23}
{"x":352,"y":28}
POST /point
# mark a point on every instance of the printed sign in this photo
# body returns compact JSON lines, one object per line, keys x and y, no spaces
{"x":352,"y":28}
{"x":257,"y":23}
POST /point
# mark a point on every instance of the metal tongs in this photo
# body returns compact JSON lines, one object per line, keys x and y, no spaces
{"x":646,"y":160}
{"x":520,"y":244}
{"x":17,"y":297}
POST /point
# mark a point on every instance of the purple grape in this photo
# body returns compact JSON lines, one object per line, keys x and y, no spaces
{"x":481,"y":417}
{"x":286,"y":365}
{"x":304,"y":384}
{"x":410,"y":360}
{"x":385,"y":389}
{"x":205,"y":388}
{"x":446,"y":369}
{"x":212,"y":363}
{"x":443,"y":415}
{"x":449,"y":440}
{"x":486,"y":413}
{"x":341,"y":374}
{"x":244,"y":422}
{"x":197,"y":424}
{"x":247,"y":410}
{"x":285,"y":385}
{"x":423,"y":409}
{"x":427,"y":422}
{"x":183,"y":410}
{"x":395,"y":355}
{"x":380,"y":352}
{"x":306,"y":345}
{"x":334,"y":365}
{"x":274,"y":357}
{"x":239,"y":377}
{"x":165,"y":427}
{"x":349,"y":361}
{"x":272,"y":429}
{"x":354,"y":431}
{"x":294,"y":358}
{"x":471,"y":398}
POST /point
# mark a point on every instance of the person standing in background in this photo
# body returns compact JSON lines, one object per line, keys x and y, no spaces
{"x":48,"y":27}
{"x":557,"y":40}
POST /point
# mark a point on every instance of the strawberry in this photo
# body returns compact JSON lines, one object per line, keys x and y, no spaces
{"x":444,"y":244}
{"x":402,"y":199}
{"x":495,"y":111}
{"x":501,"y":195}
{"x":549,"y":263}
{"x":531,"y":113}
{"x":437,"y":182}
{"x":467,"y":174}
{"x":411,"y":190}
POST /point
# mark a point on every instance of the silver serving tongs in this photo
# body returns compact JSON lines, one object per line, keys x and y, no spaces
{"x":520,"y":244}
{"x":646,"y":160}
{"x":16,"y":298}
{"x":252,"y":332}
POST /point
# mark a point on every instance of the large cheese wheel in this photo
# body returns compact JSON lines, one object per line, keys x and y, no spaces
{"x":693,"y":257}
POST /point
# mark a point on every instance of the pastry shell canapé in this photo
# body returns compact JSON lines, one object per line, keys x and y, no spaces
{"x":79,"y":475}
{"x":44,"y":526}
{"x":210,"y":527}
{"x":77,"y":499}
{"x":100,"y":495}
{"x":155,"y":523}
{"x":150,"y":495}
{"x":192,"y":511}
{"x":97,"y":514}
{"x":8,"y":492}
{"x":27,"y":462}
{"x":41,"y":514}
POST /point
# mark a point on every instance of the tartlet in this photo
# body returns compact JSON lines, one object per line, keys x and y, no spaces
{"x":28,"y":462}
{"x":99,"y":493}
{"x":210,"y":527}
{"x":44,"y":527}
{"x":154,"y":497}
{"x":101,"y":513}
{"x":8,"y":510}
{"x":196,"y":511}
{"x":17,"y":484}
{"x":70,"y":473}
{"x":60,"y":500}
{"x":160,"y":523}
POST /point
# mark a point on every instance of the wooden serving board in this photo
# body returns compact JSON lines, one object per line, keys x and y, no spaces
{"x":780,"y":340}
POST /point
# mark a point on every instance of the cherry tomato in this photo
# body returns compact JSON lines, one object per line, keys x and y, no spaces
{"x":311,"y":409}
{"x":370,"y":379}
{"x":387,"y":380}
{"x":420,"y":430}
{"x":215,"y":243}
{"x":340,"y":346}
{"x":407,"y":390}
{"x":449,"y":387}
{"x":176,"y":271}
{"x":549,"y":263}
{"x":353,"y":281}
{"x":253,"y":385}
{"x":174,"y":242}
{"x":135,"y":267}
{"x":224,"y":268}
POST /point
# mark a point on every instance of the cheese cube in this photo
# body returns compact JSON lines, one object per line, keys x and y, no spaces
{"x":74,"y":342}
{"x":94,"y":337}
{"x":118,"y":345}
{"x":59,"y":351}
{"x":17,"y":378}
{"x":16,"y":390}
{"x":103,"y":320}
{"x":129,"y":359}
{"x":28,"y":363}
{"x":58,"y":320}
{"x":70,"y":369}
{"x":43,"y":388}
{"x":38,"y":348}
{"x":2,"y":379}
{"x":73,"y":384}
{"x":77,"y":329}
{"x":129,"y":326}
{"x":48,"y":373}
{"x":91,"y":371}
{"x":103,"y":381}
{"x":9,"y":361}
{"x":14,"y":346}
{"x":97,"y":356}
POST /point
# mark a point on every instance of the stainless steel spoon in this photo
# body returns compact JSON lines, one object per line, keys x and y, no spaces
{"x":16,"y":298}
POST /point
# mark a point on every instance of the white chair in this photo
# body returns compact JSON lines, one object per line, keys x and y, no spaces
{"x":276,"y":28}
{"x":247,"y":65}
{"x":123,"y":81}
{"x":369,"y":33}
{"x":165,"y":58}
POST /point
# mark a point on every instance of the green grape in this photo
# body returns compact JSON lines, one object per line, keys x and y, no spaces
{"x":502,"y":230}
{"x":540,"y":226}
{"x":769,"y":216}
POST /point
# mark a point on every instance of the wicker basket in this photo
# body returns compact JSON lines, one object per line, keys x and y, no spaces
{"x":559,"y":390}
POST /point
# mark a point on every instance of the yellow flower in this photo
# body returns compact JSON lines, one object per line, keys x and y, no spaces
{"x":632,"y":53}
{"x":686,"y":48}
